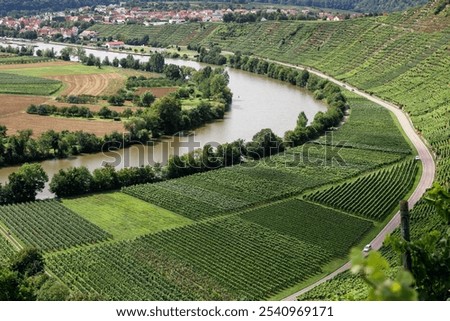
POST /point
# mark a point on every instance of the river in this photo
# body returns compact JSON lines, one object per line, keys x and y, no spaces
{"x":258,"y":102}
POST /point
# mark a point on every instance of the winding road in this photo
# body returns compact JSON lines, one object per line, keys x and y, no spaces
{"x":426,"y":180}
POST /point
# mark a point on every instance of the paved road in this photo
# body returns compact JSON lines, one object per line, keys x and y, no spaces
{"x":426,"y":180}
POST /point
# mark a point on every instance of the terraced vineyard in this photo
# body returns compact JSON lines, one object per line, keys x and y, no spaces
{"x":16,"y":84}
{"x":225,"y":190}
{"x":6,"y":251}
{"x":48,"y":225}
{"x":313,"y":224}
{"x":229,"y":258}
{"x":383,"y":133}
{"x":373,"y":196}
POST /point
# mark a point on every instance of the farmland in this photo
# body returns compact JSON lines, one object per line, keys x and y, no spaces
{"x":48,"y":225}
{"x":91,"y":84}
{"x":232,"y":259}
{"x":6,"y":251}
{"x":336,"y":233}
{"x":61,"y":78}
{"x":122,"y":216}
{"x":373,"y":196}
{"x":384,"y":135}
{"x":221,"y":191}
{"x":16,"y":84}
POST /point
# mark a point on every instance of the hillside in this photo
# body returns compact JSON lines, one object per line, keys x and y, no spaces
{"x":402,"y":57}
{"x":8,"y":6}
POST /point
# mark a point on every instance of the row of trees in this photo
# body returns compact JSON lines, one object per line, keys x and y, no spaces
{"x":23,"y":147}
{"x":20,"y":51}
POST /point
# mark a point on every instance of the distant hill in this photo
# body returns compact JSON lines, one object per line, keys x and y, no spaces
{"x":8,"y":6}
{"x":354,"y":5}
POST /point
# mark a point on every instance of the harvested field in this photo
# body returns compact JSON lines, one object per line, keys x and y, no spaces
{"x":94,"y":84}
{"x":17,"y":104}
{"x":40,"y":124}
{"x":13,"y":115}
{"x":158,"y":92}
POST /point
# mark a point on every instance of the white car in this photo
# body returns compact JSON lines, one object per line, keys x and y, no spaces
{"x":417,"y":158}
{"x":367,"y":248}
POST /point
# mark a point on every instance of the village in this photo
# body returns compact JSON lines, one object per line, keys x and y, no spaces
{"x":73,"y":23}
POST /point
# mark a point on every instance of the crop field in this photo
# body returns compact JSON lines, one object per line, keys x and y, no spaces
{"x":16,"y":84}
{"x":373,"y":196}
{"x":334,"y":231}
{"x":123,"y":216}
{"x":221,"y":191}
{"x":223,"y":259}
{"x":369,"y":127}
{"x":48,"y":225}
{"x":6,"y":251}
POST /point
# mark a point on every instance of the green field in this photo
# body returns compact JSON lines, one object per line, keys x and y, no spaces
{"x":59,"y":70}
{"x":17,"y":84}
{"x":123,"y":216}
{"x":373,"y":196}
{"x":48,"y":225}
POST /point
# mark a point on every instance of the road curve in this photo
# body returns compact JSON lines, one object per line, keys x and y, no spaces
{"x":426,"y":180}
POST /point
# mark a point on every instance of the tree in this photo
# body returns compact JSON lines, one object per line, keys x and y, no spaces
{"x":156,"y":62}
{"x":28,"y":262}
{"x":147,"y":99}
{"x":168,"y":110}
{"x":52,"y":290}
{"x":264,"y":143}
{"x":65,"y":53}
{"x":72,"y":181}
{"x":25,"y":183}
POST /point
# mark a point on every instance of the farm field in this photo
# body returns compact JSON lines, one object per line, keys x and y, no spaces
{"x":300,"y":219}
{"x":73,"y":78}
{"x":385,"y":135}
{"x":224,"y":259}
{"x":123,"y":216}
{"x":221,"y":191}
{"x":91,"y":84}
{"x":16,"y":84}
{"x":6,"y":251}
{"x":40,"y":124}
{"x":49,"y":226}
{"x":373,"y":196}
{"x":158,"y":92}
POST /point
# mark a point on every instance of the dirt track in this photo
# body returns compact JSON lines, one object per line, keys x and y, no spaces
{"x":426,"y":180}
